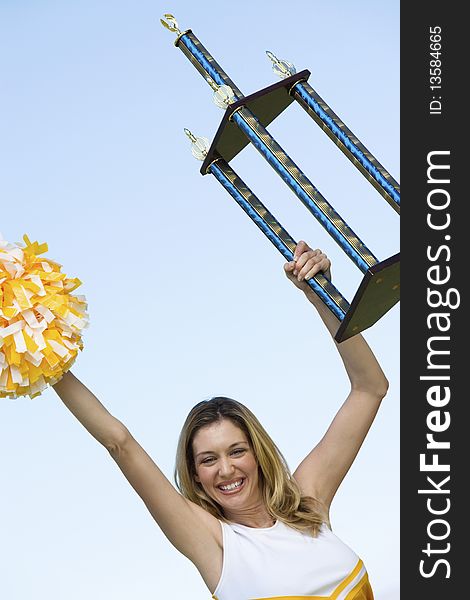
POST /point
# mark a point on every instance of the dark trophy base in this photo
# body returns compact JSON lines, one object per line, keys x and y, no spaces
{"x":378,"y":292}
{"x":266,"y":104}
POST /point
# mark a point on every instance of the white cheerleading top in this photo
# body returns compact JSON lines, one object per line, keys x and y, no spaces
{"x":280,"y":562}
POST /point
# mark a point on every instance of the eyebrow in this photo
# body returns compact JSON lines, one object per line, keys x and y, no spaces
{"x":212,"y":451}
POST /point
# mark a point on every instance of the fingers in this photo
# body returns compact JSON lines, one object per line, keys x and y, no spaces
{"x":289,"y":271}
{"x":300,"y":249}
{"x":312,"y":268}
{"x":289,"y":267}
{"x":307,"y":262}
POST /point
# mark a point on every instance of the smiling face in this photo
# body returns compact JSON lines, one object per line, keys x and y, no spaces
{"x":226,"y":466}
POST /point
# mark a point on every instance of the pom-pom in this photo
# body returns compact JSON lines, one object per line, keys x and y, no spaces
{"x":41,"y":321}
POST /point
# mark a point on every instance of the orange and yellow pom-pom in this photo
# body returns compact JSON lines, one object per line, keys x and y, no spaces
{"x":41,"y":321}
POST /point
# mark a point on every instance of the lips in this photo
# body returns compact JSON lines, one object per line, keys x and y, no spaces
{"x":232,"y":487}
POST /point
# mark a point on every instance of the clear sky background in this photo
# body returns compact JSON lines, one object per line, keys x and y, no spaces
{"x":187,"y":299}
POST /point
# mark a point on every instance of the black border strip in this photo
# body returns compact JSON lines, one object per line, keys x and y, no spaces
{"x":433,"y":568}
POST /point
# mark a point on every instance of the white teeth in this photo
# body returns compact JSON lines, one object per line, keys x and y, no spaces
{"x":232,"y":486}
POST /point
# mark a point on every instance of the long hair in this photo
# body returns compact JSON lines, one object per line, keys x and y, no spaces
{"x":280,"y":492}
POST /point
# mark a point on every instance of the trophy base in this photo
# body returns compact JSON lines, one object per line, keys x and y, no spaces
{"x":266,"y":105}
{"x":378,"y":292}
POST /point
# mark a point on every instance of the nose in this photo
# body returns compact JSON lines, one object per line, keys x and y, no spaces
{"x":226,"y":468}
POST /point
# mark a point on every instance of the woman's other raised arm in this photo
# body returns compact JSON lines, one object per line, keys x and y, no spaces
{"x":323,"y":469}
{"x":192,"y":530}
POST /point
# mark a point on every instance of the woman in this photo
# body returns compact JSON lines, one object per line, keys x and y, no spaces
{"x":253,"y":530}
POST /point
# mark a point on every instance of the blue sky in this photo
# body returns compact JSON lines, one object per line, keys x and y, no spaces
{"x":186,"y":298}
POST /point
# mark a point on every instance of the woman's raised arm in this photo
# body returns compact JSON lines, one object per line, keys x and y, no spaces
{"x":192,"y":530}
{"x":86,"y":407}
{"x":322,"y":471}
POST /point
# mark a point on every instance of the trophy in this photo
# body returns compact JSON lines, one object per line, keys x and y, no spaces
{"x":245,"y":120}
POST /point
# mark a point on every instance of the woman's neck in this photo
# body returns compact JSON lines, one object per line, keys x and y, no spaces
{"x":254,"y":516}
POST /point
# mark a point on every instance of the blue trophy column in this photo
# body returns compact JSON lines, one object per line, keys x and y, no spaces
{"x":274,"y":231}
{"x":344,"y":138}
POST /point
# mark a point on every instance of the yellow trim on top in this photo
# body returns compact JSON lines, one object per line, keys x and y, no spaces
{"x":364,"y":588}
{"x":348,"y":580}
{"x":336,"y":592}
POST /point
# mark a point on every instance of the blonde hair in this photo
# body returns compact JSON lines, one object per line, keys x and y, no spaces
{"x":280,"y":492}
